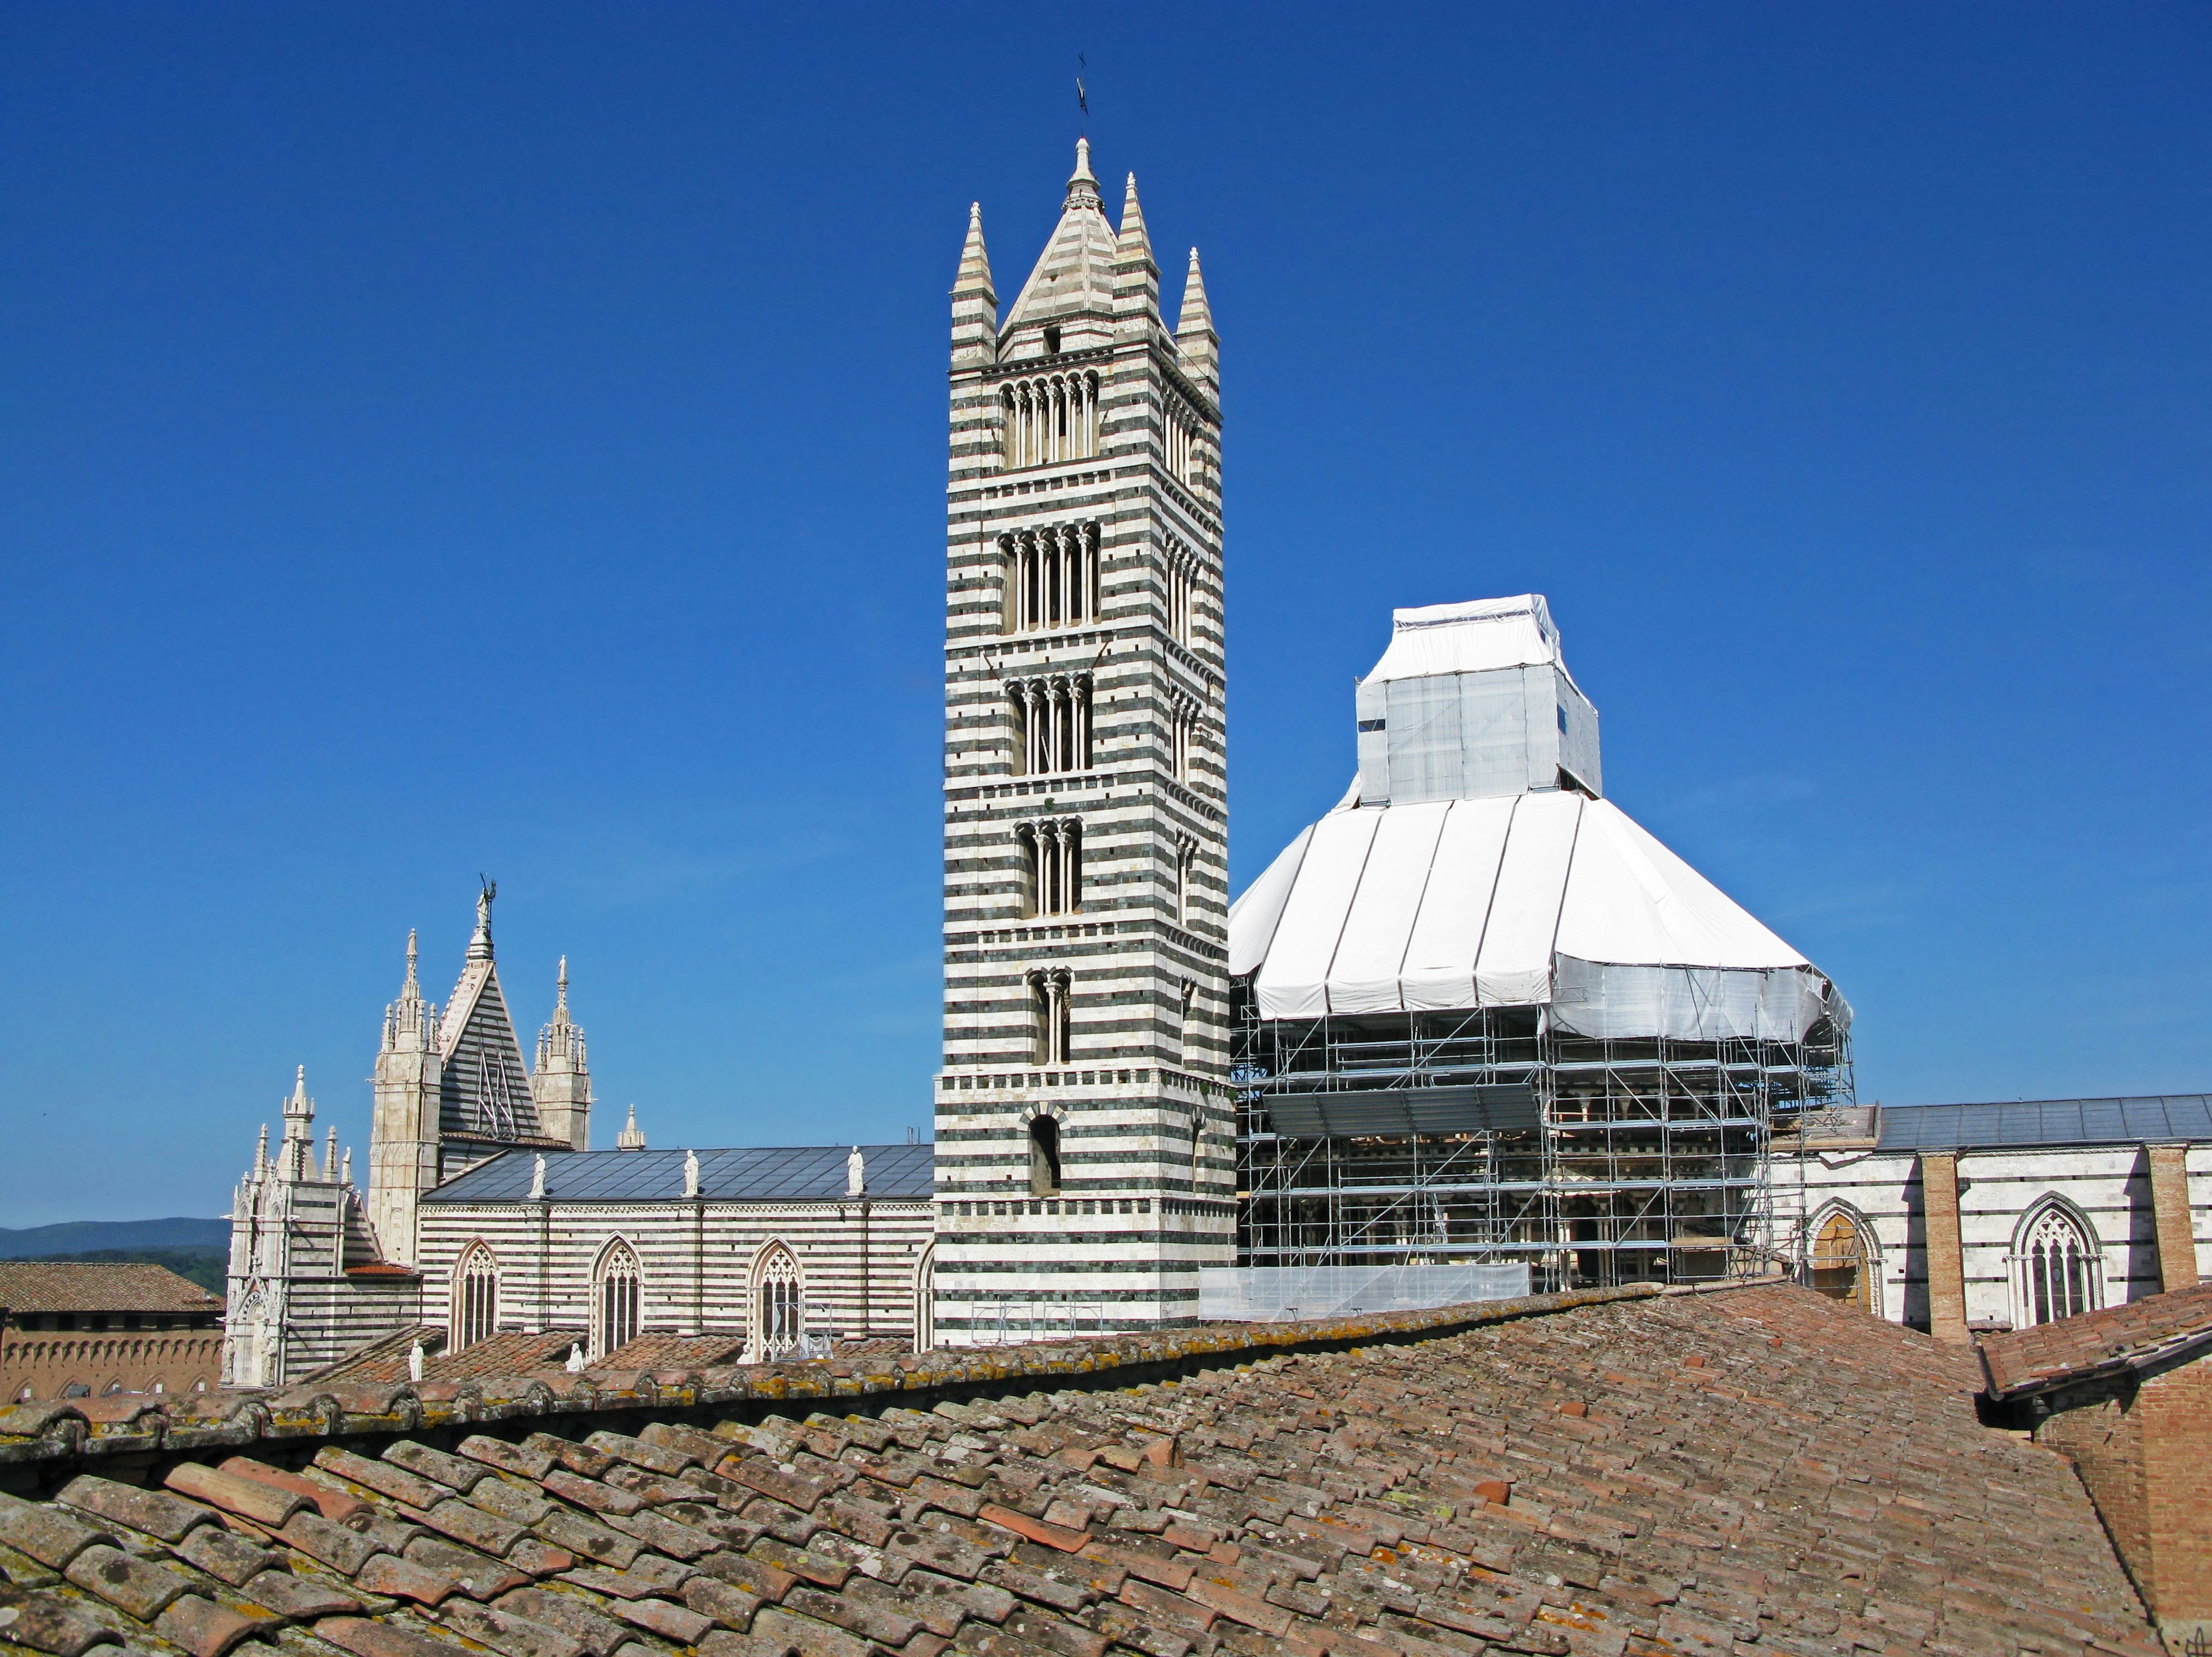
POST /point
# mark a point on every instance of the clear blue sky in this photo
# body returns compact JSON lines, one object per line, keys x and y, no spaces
{"x":510,"y":439}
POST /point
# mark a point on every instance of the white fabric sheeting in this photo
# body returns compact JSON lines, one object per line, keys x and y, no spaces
{"x":1254,"y":916}
{"x":1294,"y":974}
{"x":1542,"y":897}
{"x":1447,"y":933}
{"x":1514,"y":967}
{"x":1469,"y":638}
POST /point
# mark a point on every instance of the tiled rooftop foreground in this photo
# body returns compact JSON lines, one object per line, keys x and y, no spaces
{"x":1752,"y":1471}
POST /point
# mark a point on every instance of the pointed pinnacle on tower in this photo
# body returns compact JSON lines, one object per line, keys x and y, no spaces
{"x":561,"y":987}
{"x":1136,"y":277}
{"x":974,"y":299}
{"x":1133,"y":236}
{"x":1196,"y":343}
{"x":1083,"y":183}
{"x":412,"y":987}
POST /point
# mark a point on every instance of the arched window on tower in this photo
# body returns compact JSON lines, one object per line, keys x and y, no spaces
{"x":1052,"y":723}
{"x":2057,"y":1269}
{"x":1182,"y":592}
{"x":475,"y":1297}
{"x":1044,"y":1156}
{"x":616,"y":1294}
{"x":1052,"y":851}
{"x":1049,"y":989}
{"x":779,"y":1304}
{"x":1051,"y":418}
{"x":1051,"y":576}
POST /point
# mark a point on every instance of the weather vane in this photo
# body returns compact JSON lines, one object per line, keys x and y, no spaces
{"x":1082,"y":97}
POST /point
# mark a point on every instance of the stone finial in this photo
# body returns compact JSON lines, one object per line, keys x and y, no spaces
{"x":630,"y":1139}
{"x":690,"y":1173}
{"x":538,"y":1179}
{"x":561,"y":987}
{"x":261,"y":1154}
{"x":345,"y":1168}
{"x":413,"y":986}
{"x":1083,"y":183}
{"x":856,"y":1173}
{"x":330,"y":1156}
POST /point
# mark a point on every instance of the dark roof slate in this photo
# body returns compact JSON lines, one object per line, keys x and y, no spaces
{"x":2157,"y":1119}
{"x":1760,"y":1469}
{"x":798,"y":1173}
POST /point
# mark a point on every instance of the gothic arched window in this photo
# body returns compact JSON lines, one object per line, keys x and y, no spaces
{"x":1052,"y":852}
{"x":779,"y":1305}
{"x":475,"y":1297}
{"x":1049,"y":994}
{"x":616,"y":1293}
{"x":1053,"y":718}
{"x":925,"y":1299}
{"x":2057,"y":1271}
{"x":1841,"y":1263}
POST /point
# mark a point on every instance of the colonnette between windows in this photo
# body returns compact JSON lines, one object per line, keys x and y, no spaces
{"x":1053,"y":716}
{"x":1049,"y":417}
{"x":1050,"y":992}
{"x":1052,"y":854}
{"x":1051,"y":576}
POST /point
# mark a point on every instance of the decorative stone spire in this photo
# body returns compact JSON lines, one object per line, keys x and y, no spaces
{"x":261,"y":1154}
{"x":974,"y":299}
{"x":630,"y":1139}
{"x":560,"y":1084}
{"x":297,"y":1154}
{"x":1196,"y":344}
{"x":410,"y":1023}
{"x":330,"y":1156}
{"x":480,"y":941}
{"x":1083,"y":183}
{"x":1136,"y":277}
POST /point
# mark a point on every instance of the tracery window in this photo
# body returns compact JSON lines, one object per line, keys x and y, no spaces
{"x":2057,"y":1271}
{"x":475,"y":1297}
{"x":1052,"y":417}
{"x":1049,"y":995}
{"x":1051,"y":575}
{"x":1052,"y":721}
{"x":779,"y":1305}
{"x":1052,"y":851}
{"x":617,"y":1291}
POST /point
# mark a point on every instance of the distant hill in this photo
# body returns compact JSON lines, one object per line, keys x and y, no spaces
{"x":77,"y":1237}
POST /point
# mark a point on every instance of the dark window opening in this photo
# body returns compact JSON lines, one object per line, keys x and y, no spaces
{"x":1052,"y":342}
{"x":1563,"y":719}
{"x":1044,"y":1157}
{"x":1370,"y":724}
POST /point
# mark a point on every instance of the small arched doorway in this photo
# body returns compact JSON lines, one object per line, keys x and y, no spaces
{"x":1843,"y":1262}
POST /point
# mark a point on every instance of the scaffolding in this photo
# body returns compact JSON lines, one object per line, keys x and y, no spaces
{"x":1598,"y":1163}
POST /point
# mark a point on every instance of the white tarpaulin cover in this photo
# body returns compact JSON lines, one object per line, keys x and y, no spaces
{"x":1544,"y":898}
{"x":1470,"y":638}
{"x":1279,"y":1294}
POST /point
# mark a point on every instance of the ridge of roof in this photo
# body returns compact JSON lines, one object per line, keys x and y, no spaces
{"x":2066,"y":1351}
{"x":43,"y":1285}
{"x":88,"y":1431}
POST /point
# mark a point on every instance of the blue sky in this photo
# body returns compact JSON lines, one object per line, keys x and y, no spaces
{"x":510,"y":439}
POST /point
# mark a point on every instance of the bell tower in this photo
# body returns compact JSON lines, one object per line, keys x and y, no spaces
{"x":1085,"y":1132}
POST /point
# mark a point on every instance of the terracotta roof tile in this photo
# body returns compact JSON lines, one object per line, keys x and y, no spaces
{"x":50,"y":1286}
{"x":2118,"y":1338}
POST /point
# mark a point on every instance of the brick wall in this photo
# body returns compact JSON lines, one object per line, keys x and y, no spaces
{"x":2169,"y":1200}
{"x":2141,"y":1447}
{"x":48,"y":1362}
{"x":1947,"y":1273}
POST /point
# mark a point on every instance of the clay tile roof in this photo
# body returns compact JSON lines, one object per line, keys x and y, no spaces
{"x":49,"y":1286}
{"x":2119,"y":1338}
{"x":1603,"y":1473}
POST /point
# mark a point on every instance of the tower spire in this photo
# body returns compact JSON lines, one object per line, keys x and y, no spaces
{"x":974,"y":298}
{"x":1136,"y":277}
{"x":1083,"y":183}
{"x":1196,"y":341}
{"x":413,"y":986}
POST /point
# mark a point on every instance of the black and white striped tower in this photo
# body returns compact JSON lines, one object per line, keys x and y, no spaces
{"x":1085,"y":1155}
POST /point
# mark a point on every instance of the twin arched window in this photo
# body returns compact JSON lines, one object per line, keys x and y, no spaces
{"x":2058,"y":1270}
{"x":475,"y":1297}
{"x":1052,"y":577}
{"x":1052,"y":852}
{"x":1051,"y":991}
{"x":616,"y":1294}
{"x":780,"y":1313}
{"x":1052,"y":718}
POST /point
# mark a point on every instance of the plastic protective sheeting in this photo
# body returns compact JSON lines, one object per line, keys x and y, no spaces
{"x":1294,"y":977}
{"x":1469,"y":638}
{"x":1279,"y":1294}
{"x":1541,"y":899}
{"x":1514,"y":967}
{"x":1254,"y":916}
{"x":1363,"y":977}
{"x":1447,"y":934}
